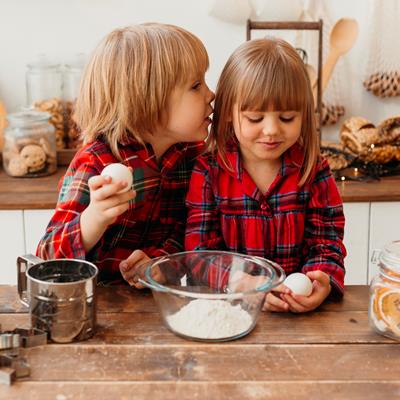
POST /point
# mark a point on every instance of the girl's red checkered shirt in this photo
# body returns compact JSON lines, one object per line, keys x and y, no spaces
{"x":300,"y":228}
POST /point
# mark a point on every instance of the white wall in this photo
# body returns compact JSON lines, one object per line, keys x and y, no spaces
{"x":62,"y":28}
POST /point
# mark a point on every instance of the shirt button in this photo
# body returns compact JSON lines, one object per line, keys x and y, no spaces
{"x":264,"y":206}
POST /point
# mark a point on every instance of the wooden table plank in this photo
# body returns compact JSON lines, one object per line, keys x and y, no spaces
{"x":148,"y":329}
{"x":214,"y":363}
{"x":126,"y":299}
{"x":308,"y":390}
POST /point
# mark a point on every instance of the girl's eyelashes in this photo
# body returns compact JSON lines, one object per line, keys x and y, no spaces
{"x":286,"y":119}
{"x":255,"y":120}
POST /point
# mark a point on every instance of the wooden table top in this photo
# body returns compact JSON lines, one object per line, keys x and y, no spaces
{"x":330,"y":353}
{"x":41,"y":193}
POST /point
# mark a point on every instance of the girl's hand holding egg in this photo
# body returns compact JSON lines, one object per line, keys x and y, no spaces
{"x":307,"y":291}
{"x":299,"y":293}
{"x":299,"y":283}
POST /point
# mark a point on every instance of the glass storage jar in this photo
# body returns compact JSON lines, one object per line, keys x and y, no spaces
{"x":384,"y":307}
{"x":44,"y":83}
{"x":72,"y":79}
{"x":29,"y":145}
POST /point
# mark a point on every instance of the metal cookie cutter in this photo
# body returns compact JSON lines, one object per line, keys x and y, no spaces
{"x":21,"y":337}
{"x":30,"y":337}
{"x":17,"y":363}
{"x":12,"y":365}
{"x":9,"y":340}
{"x":7,"y":375}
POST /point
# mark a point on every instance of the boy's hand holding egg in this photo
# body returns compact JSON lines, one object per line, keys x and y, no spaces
{"x":110,"y":193}
{"x":119,"y":173}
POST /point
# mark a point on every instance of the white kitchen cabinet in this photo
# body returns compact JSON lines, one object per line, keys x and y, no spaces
{"x":384,"y":228}
{"x":356,"y":237}
{"x":35,"y":222}
{"x":11,"y":244}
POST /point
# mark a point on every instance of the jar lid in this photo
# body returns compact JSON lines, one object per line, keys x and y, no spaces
{"x":390,"y":256}
{"x":77,"y":64}
{"x":41,"y":62}
{"x":27,"y":117}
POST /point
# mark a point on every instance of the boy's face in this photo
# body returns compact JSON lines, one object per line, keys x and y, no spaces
{"x":266,"y":135}
{"x":189,"y":111}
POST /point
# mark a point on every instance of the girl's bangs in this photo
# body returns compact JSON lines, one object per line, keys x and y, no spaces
{"x":273,"y":89}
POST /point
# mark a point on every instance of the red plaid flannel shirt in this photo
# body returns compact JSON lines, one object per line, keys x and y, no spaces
{"x":155,"y":221}
{"x":299,"y":228}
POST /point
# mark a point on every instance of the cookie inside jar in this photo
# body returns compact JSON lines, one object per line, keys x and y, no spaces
{"x":29,"y":145}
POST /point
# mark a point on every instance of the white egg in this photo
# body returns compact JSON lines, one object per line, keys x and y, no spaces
{"x":119,"y":172}
{"x":299,"y":283}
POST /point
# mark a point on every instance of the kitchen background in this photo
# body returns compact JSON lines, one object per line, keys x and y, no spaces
{"x":61,"y":29}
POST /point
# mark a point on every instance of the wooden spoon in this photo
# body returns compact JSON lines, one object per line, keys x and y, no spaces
{"x":341,"y":40}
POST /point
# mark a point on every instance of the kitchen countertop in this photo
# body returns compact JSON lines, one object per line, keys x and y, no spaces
{"x":331,"y":353}
{"x":41,"y":193}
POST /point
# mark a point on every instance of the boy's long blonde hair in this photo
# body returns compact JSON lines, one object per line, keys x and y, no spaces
{"x":262,"y":73}
{"x":127,"y":83}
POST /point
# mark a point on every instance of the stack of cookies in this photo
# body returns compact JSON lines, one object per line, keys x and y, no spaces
{"x":379,"y":144}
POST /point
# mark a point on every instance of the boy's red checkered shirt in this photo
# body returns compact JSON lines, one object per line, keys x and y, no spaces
{"x":155,"y":221}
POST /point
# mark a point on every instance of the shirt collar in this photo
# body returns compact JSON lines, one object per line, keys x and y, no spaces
{"x":168,"y":160}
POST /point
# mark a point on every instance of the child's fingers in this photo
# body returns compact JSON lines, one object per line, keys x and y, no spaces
{"x":294,"y":305}
{"x":274,"y":303}
{"x":95,"y":182}
{"x":280,"y":289}
{"x":114,"y":212}
{"x":130,"y":268}
{"x":109,"y":190}
{"x":319,"y":276}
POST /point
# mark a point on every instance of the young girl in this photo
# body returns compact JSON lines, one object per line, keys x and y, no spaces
{"x":264,"y":189}
{"x":144,"y":103}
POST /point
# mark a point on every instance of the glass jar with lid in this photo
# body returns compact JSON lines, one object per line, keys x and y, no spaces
{"x":384,"y":307}
{"x":29,"y":145}
{"x":72,"y":79}
{"x":44,"y":83}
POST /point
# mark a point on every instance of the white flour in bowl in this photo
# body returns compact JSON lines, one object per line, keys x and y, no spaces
{"x":210,"y":319}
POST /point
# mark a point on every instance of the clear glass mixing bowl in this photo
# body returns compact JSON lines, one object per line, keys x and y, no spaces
{"x":210,"y":295}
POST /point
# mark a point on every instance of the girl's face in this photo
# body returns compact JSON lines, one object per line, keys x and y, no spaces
{"x":266,"y":135}
{"x":189,"y":111}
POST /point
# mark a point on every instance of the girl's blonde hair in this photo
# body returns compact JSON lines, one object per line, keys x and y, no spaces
{"x":127,"y":83}
{"x":264,"y":73}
